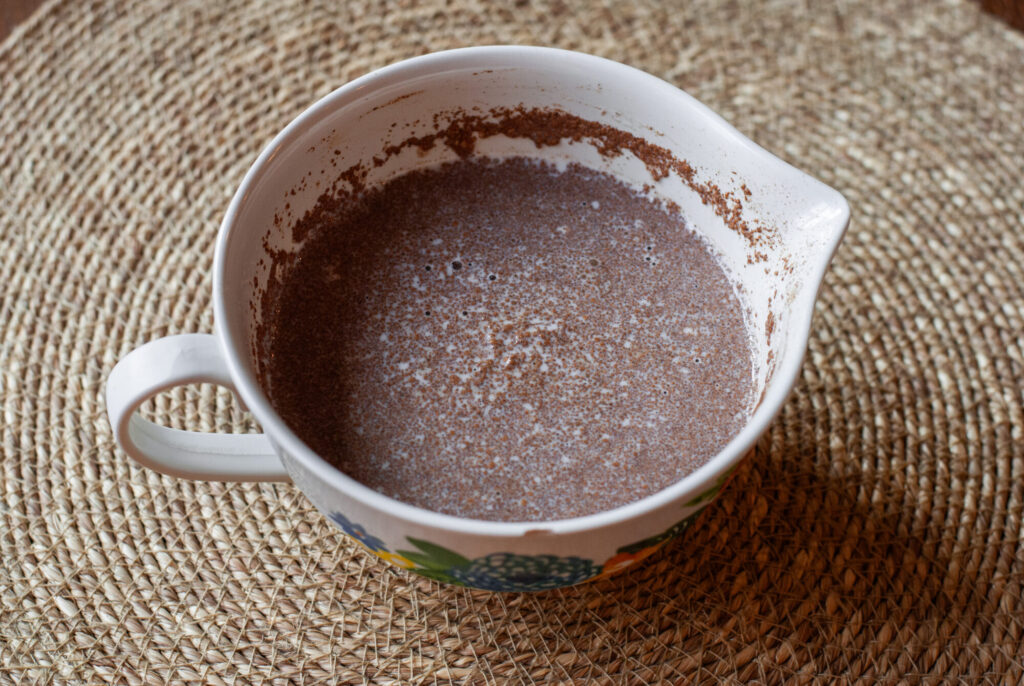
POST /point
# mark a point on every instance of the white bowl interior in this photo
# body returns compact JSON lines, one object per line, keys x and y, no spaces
{"x":777,"y":280}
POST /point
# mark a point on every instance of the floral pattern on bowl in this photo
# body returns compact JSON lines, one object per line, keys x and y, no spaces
{"x":510,"y":572}
{"x":356,"y":531}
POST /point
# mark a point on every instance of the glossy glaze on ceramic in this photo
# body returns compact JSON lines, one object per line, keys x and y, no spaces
{"x":777,"y":276}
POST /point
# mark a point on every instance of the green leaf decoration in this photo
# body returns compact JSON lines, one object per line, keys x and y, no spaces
{"x":422,"y":561}
{"x":704,"y":497}
{"x":441,"y":558}
{"x":713,"y":491}
{"x":673,"y":531}
{"x":682,"y":526}
{"x":438,"y":575}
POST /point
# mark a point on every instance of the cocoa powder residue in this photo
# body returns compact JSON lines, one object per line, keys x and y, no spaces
{"x":549,"y":127}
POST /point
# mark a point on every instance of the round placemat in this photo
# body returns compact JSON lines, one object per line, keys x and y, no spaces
{"x":875,"y":536}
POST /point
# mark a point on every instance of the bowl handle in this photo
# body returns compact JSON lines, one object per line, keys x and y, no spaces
{"x":175,"y":361}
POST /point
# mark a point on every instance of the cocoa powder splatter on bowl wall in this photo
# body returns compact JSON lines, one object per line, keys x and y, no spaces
{"x":461,"y":130}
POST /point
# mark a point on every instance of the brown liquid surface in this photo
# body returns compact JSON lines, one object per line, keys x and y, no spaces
{"x":504,"y":341}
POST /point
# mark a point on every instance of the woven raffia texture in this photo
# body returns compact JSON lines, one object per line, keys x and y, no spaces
{"x":876,"y":535}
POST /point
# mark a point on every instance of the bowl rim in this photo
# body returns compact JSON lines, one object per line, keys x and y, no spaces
{"x":502,"y":56}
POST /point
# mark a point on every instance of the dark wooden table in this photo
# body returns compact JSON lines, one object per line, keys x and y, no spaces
{"x":13,"y":12}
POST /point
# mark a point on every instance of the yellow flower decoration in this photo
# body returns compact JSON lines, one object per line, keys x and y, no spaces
{"x":395,"y":559}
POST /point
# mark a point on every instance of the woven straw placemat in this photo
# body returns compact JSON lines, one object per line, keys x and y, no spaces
{"x":876,"y":536}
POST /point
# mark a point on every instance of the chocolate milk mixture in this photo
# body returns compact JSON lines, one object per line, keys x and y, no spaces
{"x":507,"y":341}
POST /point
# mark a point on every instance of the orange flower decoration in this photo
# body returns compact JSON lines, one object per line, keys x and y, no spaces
{"x":623,"y":560}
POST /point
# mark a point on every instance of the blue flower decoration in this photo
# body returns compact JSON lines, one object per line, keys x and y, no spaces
{"x":509,"y":572}
{"x":357,"y":532}
{"x":497,"y":571}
